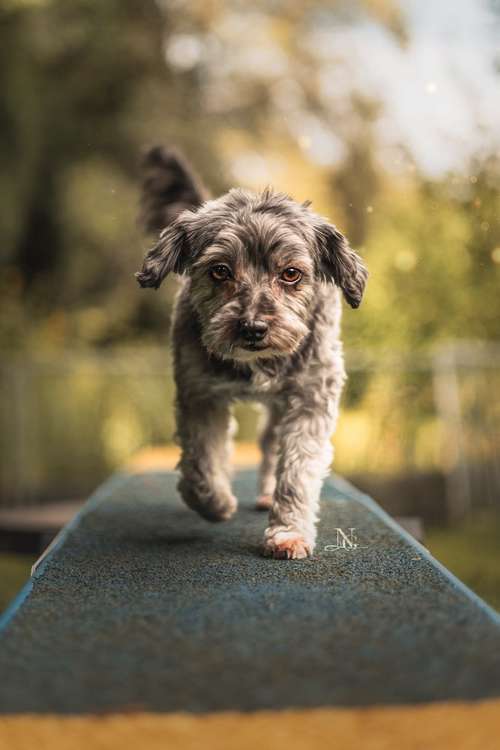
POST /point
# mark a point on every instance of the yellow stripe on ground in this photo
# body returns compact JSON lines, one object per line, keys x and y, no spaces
{"x":437,"y":726}
{"x":159,"y":458}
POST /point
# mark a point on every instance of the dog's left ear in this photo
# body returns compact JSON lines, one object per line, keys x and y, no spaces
{"x":339,"y":263}
{"x":171,"y":254}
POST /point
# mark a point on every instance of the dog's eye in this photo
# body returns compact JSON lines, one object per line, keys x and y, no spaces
{"x":220,"y":272}
{"x":291,"y":275}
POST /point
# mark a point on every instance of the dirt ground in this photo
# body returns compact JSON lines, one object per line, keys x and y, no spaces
{"x":441,"y":726}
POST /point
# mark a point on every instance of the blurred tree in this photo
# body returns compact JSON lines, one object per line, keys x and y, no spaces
{"x":72,"y":76}
{"x":433,"y":252}
{"x":253,"y":94}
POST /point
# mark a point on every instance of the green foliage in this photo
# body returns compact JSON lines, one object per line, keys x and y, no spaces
{"x":87,"y":84}
{"x":74,"y":75}
{"x":15,"y":571}
{"x":471,"y":551}
{"x":433,"y":263}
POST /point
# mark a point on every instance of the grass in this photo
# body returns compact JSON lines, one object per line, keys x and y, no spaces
{"x":471,"y":550}
{"x":14,"y":572}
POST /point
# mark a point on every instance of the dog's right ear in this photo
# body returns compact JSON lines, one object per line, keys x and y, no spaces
{"x":171,"y":254}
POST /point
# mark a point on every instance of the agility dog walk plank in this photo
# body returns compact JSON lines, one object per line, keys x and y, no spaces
{"x":142,"y":605}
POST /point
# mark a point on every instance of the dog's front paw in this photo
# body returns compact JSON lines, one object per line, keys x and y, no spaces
{"x":213,"y":507}
{"x":286,"y":545}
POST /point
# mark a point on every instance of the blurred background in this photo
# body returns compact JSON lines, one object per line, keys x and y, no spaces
{"x":385,"y":113}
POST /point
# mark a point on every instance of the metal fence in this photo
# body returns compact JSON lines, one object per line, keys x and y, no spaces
{"x":69,"y":421}
{"x":446,"y":408}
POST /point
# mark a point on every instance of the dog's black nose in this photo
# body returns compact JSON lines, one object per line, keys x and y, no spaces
{"x":253,"y":330}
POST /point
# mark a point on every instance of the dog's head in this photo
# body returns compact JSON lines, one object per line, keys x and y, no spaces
{"x":255,"y":263}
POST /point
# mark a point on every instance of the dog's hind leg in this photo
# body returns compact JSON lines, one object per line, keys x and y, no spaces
{"x":203,"y":431}
{"x":269,"y":446}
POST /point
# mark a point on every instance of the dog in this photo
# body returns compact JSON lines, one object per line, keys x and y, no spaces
{"x":257,"y":317}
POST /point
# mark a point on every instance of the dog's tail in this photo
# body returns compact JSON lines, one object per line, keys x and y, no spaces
{"x":169,"y":186}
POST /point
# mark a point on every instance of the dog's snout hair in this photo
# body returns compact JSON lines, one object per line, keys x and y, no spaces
{"x":257,"y":316}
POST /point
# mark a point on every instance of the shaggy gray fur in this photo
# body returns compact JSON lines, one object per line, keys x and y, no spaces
{"x":257,"y":317}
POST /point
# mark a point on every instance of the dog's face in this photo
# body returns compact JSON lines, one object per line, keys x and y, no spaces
{"x":253,"y":288}
{"x":255,"y":263}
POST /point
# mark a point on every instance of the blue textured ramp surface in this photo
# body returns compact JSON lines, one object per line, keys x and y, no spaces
{"x":144,"y":605}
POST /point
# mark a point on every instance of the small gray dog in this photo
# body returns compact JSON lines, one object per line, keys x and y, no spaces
{"x":257,"y":317}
